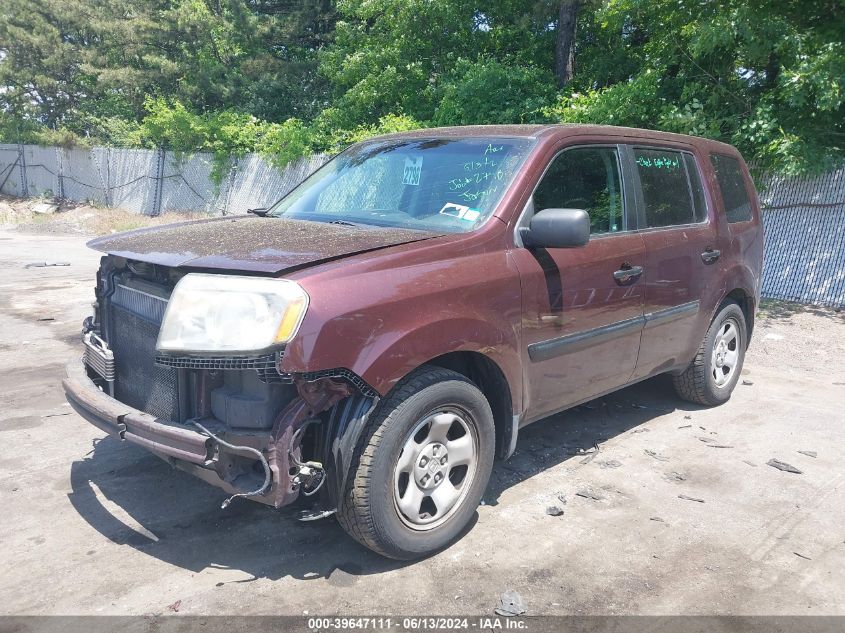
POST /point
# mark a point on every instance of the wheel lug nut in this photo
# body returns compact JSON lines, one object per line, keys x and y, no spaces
{"x":423,"y":461}
{"x":443,"y":460}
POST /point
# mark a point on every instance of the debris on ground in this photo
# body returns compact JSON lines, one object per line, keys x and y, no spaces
{"x":747,"y":383}
{"x":591,"y":453}
{"x":638,"y":406}
{"x":809,"y":453}
{"x":610,"y":463}
{"x":787,"y":468}
{"x":802,"y":556}
{"x":175,"y":606}
{"x":554,"y":511}
{"x":706,"y":439}
{"x":745,"y":461}
{"x":562,"y":498}
{"x":510,"y":604}
{"x":640,"y":431}
{"x":658,"y":519}
{"x":44,"y":208}
{"x":676,"y":476}
{"x":687,"y":417}
{"x":46,"y":319}
{"x":696,"y":499}
{"x":587,"y":493}
{"x":685,"y":426}
{"x":46,"y":264}
{"x":719,"y":446}
{"x":655,"y":455}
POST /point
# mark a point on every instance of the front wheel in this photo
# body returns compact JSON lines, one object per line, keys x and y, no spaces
{"x":715,"y":370}
{"x":421,"y":467}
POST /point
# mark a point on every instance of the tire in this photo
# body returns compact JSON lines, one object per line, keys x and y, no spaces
{"x":706,"y":381}
{"x":437,"y":418}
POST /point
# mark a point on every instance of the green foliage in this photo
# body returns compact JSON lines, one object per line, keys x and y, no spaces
{"x":289,"y":77}
{"x":488,"y":91}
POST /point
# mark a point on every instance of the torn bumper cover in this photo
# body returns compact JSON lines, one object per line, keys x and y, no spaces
{"x":235,"y":471}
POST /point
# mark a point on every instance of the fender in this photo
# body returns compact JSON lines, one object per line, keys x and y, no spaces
{"x":398,"y":356}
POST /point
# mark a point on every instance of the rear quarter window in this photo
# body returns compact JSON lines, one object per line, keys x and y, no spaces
{"x":732,"y":186}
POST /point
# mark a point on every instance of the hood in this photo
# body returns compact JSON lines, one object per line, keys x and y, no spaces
{"x":246,"y":243}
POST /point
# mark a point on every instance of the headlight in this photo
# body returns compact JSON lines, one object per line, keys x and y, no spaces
{"x":224,"y":313}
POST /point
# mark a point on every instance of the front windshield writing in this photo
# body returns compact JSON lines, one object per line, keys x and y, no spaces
{"x":444,"y":185}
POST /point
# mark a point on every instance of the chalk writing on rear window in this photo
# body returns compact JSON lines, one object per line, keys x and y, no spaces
{"x":660,"y":162}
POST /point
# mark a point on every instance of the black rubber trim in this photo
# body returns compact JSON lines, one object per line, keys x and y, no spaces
{"x":545,"y":350}
{"x":672,"y":314}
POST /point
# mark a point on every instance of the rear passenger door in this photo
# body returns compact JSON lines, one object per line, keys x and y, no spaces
{"x":682,"y":279}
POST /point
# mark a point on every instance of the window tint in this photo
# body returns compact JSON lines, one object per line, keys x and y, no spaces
{"x":666,"y":187}
{"x":585,"y":178}
{"x":732,"y":186}
{"x":697,"y":189}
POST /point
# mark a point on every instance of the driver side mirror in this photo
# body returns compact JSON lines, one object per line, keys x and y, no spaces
{"x":557,"y":228}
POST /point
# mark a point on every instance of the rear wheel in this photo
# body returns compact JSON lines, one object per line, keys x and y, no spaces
{"x":422,"y":466}
{"x":711,"y":377}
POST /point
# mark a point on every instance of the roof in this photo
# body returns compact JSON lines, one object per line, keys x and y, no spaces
{"x":546,"y":130}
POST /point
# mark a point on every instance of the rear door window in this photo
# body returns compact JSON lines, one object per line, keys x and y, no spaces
{"x":585,"y":178}
{"x":732,"y":186}
{"x":667,"y":187}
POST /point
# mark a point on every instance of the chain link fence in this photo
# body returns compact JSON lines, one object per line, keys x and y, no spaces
{"x":804,"y":218}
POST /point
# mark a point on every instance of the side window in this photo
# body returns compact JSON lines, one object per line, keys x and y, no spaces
{"x":732,"y":186}
{"x":585,"y":178}
{"x":666,"y":187}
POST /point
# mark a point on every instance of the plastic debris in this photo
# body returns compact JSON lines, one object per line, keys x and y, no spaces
{"x":747,"y":383}
{"x":745,"y":461}
{"x":799,"y":555}
{"x":586,"y":493}
{"x":46,"y":264}
{"x":696,"y":499}
{"x":658,"y":519}
{"x":809,"y":453}
{"x":787,"y":468}
{"x":685,"y":426}
{"x":719,"y":446}
{"x":554,"y":511}
{"x":510,"y":604}
{"x":657,"y":456}
{"x":175,"y":606}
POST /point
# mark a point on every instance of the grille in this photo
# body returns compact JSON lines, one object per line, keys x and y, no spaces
{"x":258,"y":363}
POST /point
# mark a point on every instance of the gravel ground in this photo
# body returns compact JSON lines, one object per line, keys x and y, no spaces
{"x":91,"y":526}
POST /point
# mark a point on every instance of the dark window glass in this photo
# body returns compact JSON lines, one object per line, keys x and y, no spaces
{"x":585,"y":178}
{"x":697,"y":189}
{"x":732,"y":186}
{"x":666,"y":187}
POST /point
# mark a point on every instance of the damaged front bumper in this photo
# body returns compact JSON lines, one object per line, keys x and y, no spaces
{"x":232,"y":465}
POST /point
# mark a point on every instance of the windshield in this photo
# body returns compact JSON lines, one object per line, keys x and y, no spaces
{"x":443,"y":185}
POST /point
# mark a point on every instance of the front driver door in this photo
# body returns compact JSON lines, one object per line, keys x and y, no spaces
{"x":582,"y":307}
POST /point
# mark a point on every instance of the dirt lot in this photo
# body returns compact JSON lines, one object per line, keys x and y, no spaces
{"x":91,"y":526}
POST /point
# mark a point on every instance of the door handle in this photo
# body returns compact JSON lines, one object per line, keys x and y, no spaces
{"x":710,"y":255}
{"x":627,"y":274}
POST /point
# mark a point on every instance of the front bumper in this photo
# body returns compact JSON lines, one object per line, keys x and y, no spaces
{"x":181,"y":446}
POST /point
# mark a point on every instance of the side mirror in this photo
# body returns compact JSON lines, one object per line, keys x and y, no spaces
{"x":557,"y":228}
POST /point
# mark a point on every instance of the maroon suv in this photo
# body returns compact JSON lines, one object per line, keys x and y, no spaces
{"x":375,"y":338}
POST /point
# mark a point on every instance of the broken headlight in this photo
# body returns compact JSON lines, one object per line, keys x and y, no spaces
{"x":225,"y":313}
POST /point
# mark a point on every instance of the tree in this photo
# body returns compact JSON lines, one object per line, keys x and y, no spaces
{"x":567,"y":22}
